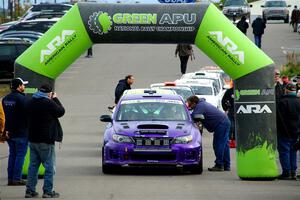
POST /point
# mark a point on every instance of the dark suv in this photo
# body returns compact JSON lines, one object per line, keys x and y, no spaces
{"x":10,"y":49}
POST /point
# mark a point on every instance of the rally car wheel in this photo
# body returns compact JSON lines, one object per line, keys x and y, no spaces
{"x":197,"y":169}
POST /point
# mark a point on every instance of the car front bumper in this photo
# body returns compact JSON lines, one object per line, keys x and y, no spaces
{"x":177,"y":155}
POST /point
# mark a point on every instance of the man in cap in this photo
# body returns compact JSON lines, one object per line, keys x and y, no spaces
{"x":288,"y":131}
{"x":44,"y":109}
{"x":14,"y":105}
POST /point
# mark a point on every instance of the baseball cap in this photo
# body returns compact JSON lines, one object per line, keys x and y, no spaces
{"x":46,"y":88}
{"x":16,"y":82}
{"x":291,"y":87}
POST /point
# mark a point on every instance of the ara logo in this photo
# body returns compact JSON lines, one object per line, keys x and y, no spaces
{"x":57,"y":42}
{"x":229,"y":45}
{"x":249,"y":109}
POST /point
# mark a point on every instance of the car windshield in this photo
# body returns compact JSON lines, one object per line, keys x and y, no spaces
{"x":235,"y":3}
{"x":275,"y":4}
{"x":183,"y":92}
{"x":202,"y":90}
{"x":152,"y":110}
{"x":39,"y":26}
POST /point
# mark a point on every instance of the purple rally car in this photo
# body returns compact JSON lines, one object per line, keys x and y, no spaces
{"x":151,"y":129}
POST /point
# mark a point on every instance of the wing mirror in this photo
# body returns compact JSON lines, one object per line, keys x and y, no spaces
{"x":105,"y":118}
{"x":198,"y":117}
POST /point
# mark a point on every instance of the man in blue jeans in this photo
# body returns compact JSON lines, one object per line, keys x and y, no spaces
{"x":288,"y":130}
{"x":44,"y":109}
{"x":14,"y":105}
{"x":258,"y":26}
{"x":217,"y":122}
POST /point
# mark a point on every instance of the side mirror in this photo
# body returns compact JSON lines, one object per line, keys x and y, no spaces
{"x":251,"y":5}
{"x":198,"y":117}
{"x":105,"y":118}
{"x":289,"y":5}
{"x":262,"y":6}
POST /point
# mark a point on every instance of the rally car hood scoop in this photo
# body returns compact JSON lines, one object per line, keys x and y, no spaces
{"x":164,"y":129}
{"x":152,"y":126}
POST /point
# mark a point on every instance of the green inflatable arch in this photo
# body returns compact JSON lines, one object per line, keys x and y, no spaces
{"x":201,"y":24}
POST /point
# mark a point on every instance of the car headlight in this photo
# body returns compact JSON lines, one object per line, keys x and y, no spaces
{"x":121,"y":138}
{"x":225,"y":10}
{"x":183,"y":140}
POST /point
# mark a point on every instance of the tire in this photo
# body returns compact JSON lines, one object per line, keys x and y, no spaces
{"x":197,"y":169}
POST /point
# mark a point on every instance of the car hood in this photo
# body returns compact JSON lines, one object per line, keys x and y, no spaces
{"x":235,"y":7}
{"x":153,"y":128}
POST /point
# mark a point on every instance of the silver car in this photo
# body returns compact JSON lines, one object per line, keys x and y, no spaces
{"x":235,"y":9}
{"x":276,"y":10}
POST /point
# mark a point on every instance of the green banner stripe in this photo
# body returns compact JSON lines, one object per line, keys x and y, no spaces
{"x":61,"y":45}
{"x":229,"y":48}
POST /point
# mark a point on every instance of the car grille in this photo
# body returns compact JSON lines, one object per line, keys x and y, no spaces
{"x":153,"y":156}
{"x":157,"y":142}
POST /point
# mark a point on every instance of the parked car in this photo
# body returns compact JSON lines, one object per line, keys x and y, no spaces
{"x":235,"y":9}
{"x":151,"y":129}
{"x":43,"y":15}
{"x":276,"y":10}
{"x":27,"y":35}
{"x":204,"y":88}
{"x":45,"y":7}
{"x":183,"y":90}
{"x":39,"y":25}
{"x":6,"y":25}
{"x":10,"y":49}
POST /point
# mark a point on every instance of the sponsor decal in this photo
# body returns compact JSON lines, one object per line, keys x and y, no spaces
{"x":253,"y":92}
{"x":101,"y":22}
{"x":227,"y":47}
{"x":256,"y":109}
{"x":57,"y":45}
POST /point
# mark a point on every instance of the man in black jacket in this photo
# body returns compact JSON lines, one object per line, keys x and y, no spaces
{"x":228,"y":107}
{"x":288,"y":114}
{"x":258,"y":26}
{"x":44,"y":109}
{"x":124,"y":84}
{"x":243,"y":25}
{"x":14,"y":105}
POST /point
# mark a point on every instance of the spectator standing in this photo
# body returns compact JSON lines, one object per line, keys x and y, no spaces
{"x":217,"y":122}
{"x":288,"y":132}
{"x":228,"y":107}
{"x":44,"y":109}
{"x":258,"y":26}
{"x":89,"y":53}
{"x":124,"y":84}
{"x":295,"y":18}
{"x":3,"y":136}
{"x":243,"y":25}
{"x":184,"y":51}
{"x":279,"y":88}
{"x":16,"y":127}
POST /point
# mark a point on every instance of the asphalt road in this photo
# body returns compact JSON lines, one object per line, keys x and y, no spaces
{"x":86,"y":89}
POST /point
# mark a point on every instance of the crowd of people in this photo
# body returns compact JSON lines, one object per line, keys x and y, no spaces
{"x":288,"y":124}
{"x":31,"y":124}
